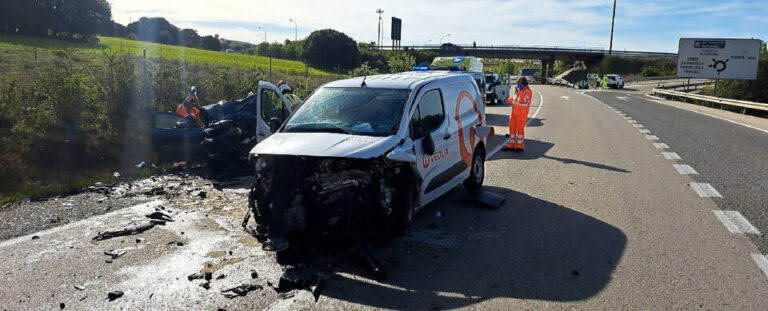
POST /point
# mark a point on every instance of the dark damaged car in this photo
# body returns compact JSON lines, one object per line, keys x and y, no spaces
{"x":229,"y":129}
{"x":368,"y":152}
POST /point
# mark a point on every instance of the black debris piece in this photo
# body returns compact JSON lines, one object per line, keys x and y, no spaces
{"x":62,"y":306}
{"x":151,"y":295}
{"x":123,"y":232}
{"x":221,"y":309}
{"x":79,"y":287}
{"x":221,"y":276}
{"x":177,"y":243}
{"x":34,"y":237}
{"x":157,"y":222}
{"x":112,"y":296}
{"x":160,"y":216}
{"x":254,"y":275}
{"x":139,"y":240}
{"x":114,"y":253}
{"x":297,"y":279}
{"x":208,"y":276}
{"x":202,"y":194}
{"x":83,"y":298}
{"x":241,"y":290}
{"x":575,"y":272}
{"x":317,"y":287}
{"x":206,"y":285}
{"x":195,"y":276}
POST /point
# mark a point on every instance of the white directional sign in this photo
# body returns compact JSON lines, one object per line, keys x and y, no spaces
{"x":718,"y":58}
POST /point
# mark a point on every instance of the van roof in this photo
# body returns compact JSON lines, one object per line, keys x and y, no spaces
{"x":404,"y":80}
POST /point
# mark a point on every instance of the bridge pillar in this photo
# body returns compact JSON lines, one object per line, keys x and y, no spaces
{"x":544,"y":70}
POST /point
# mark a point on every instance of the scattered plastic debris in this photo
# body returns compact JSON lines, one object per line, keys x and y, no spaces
{"x":241,"y":290}
{"x":141,"y":164}
{"x":195,"y":276}
{"x":123,"y":232}
{"x":160,"y":216}
{"x":112,"y":296}
{"x":79,"y":287}
{"x":254,"y":275}
{"x":206,"y":285}
{"x":114,"y":253}
{"x":35,"y":237}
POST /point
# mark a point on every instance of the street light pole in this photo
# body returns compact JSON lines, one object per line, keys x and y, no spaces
{"x":265,"y":33}
{"x":296,"y":29}
{"x":443,"y":37}
{"x":613,"y":20}
{"x":378,"y":35}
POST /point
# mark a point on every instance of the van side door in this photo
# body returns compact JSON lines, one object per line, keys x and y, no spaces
{"x":429,"y":122}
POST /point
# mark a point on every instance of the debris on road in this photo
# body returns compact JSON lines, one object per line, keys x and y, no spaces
{"x":35,"y":237}
{"x":195,"y":276}
{"x":297,"y":279}
{"x":254,"y":275}
{"x":486,"y":198}
{"x":79,"y":287}
{"x":160,"y":216}
{"x":240,"y":291}
{"x":114,"y":253}
{"x":206,"y":285}
{"x":123,"y":232}
{"x":112,"y":296}
{"x":141,"y":164}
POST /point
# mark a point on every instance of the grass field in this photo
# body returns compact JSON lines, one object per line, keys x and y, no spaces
{"x":155,"y":50}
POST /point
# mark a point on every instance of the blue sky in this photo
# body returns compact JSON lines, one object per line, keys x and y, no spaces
{"x":650,"y":25}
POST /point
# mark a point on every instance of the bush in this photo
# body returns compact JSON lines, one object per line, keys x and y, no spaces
{"x":363,"y":70}
{"x":400,"y":62}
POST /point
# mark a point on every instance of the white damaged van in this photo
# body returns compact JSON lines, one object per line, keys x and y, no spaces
{"x":370,"y":151}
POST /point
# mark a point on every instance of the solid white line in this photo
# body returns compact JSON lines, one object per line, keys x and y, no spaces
{"x":762,"y":262}
{"x":144,"y":206}
{"x":651,"y":137}
{"x":705,"y":190}
{"x":709,"y":115}
{"x":685,"y":169}
{"x":671,"y":156}
{"x":735,"y":222}
{"x":661,"y":146}
{"x":535,"y":114}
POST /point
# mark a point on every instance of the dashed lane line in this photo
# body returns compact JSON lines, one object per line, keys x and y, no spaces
{"x":735,"y":222}
{"x":762,"y":262}
{"x":685,"y":169}
{"x":671,"y":156}
{"x":637,"y":125}
{"x":651,"y":137}
{"x":661,"y":146}
{"x":644,"y":131}
{"x":705,"y":190}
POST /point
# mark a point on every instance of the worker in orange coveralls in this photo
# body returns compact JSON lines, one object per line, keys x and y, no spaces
{"x":519,"y":115}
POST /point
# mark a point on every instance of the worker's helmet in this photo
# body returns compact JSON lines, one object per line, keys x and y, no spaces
{"x":284,"y":88}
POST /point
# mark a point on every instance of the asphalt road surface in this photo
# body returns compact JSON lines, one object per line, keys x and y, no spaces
{"x":596,"y":218}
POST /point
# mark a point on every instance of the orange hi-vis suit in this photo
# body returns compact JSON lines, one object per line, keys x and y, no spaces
{"x":518,"y":117}
{"x":182,"y":111}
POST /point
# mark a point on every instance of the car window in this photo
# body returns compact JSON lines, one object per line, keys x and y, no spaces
{"x":272,"y":106}
{"x":429,"y":114}
{"x":166,"y":120}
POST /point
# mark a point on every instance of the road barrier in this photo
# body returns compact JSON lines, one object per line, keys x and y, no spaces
{"x":744,"y":105}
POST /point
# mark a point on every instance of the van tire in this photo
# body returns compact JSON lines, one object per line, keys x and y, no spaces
{"x":404,"y":210}
{"x":477,"y":171}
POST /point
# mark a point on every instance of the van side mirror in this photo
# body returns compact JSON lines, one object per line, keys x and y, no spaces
{"x":428,"y":145}
{"x":274,"y":125}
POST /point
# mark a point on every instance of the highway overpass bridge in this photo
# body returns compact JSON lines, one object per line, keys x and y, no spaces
{"x":547,"y":55}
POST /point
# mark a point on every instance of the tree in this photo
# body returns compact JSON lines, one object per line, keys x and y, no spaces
{"x":189,"y":38}
{"x":151,"y":29}
{"x":210,"y":43}
{"x":400,"y":62}
{"x":329,"y":48}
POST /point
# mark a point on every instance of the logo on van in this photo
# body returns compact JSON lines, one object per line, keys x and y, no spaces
{"x":464,"y":151}
{"x":429,"y":159}
{"x":458,"y":59}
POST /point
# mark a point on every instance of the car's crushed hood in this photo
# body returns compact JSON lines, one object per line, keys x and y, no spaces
{"x":325,"y":145}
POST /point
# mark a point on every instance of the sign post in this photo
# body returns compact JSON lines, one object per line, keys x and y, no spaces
{"x":397,"y":28}
{"x":734,"y":59}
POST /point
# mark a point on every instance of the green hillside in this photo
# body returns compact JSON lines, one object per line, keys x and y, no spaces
{"x":156,"y":50}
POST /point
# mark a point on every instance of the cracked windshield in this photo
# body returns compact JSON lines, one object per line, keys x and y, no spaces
{"x":383,"y":155}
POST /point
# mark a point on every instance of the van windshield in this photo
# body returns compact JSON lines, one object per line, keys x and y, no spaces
{"x":357,"y":110}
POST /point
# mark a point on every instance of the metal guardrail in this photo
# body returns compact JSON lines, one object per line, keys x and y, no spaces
{"x":654,"y":78}
{"x":538,"y":49}
{"x":711,"y":99}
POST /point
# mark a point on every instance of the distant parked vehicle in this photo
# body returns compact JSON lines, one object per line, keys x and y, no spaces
{"x":615,"y":81}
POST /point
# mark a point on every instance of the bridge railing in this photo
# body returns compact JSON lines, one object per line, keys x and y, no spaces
{"x":711,"y":99}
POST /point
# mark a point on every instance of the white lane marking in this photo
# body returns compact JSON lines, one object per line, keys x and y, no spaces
{"x":661,"y":146}
{"x":735,"y":222}
{"x":651,"y":137}
{"x":637,"y":125}
{"x":705,"y":190}
{"x":685,"y":169}
{"x":632,"y":121}
{"x":762,"y":262}
{"x":624,"y":98}
{"x":100,"y":218}
{"x":566,"y":98}
{"x":671,"y":156}
{"x":644,"y":131}
{"x":535,"y":114}
{"x":709,"y":115}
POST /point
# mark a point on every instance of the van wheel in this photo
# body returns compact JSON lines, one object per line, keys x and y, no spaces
{"x":404,"y":205}
{"x":477,"y":172}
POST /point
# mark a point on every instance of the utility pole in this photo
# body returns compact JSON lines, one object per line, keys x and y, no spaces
{"x":265,"y":33}
{"x":378,"y":36}
{"x":296,"y":29}
{"x":613,"y":20}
